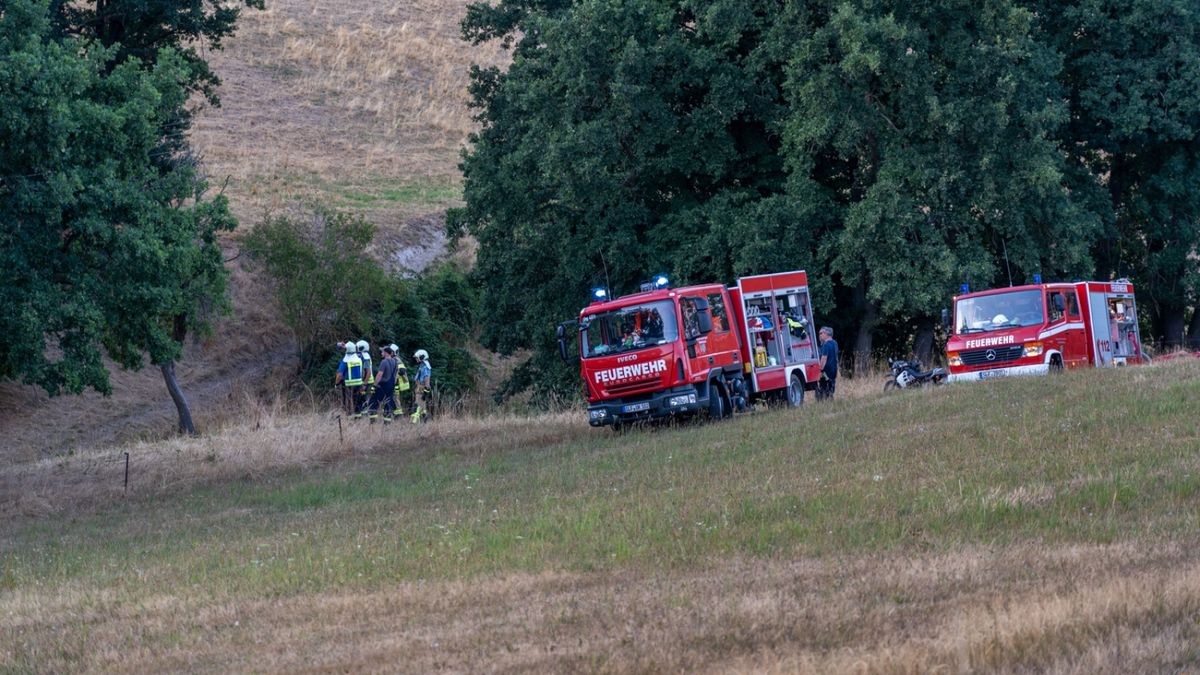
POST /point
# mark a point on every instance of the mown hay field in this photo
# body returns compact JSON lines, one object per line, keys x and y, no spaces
{"x":1024,"y":525}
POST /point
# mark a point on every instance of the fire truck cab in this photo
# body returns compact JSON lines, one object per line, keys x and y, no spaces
{"x":1039,"y":328}
{"x":706,"y":348}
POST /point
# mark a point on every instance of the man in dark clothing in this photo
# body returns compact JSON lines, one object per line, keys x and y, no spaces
{"x":385,"y":387}
{"x":829,"y":364}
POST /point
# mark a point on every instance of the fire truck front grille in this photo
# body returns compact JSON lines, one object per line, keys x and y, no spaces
{"x":987,"y":357}
{"x":622,"y":389}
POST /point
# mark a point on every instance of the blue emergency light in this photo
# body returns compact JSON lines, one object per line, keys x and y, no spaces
{"x":965,"y":288}
{"x":599,"y":294}
{"x":661,"y":281}
{"x":1037,"y":278}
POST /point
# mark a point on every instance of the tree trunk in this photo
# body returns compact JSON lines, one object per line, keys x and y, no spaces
{"x":923,"y":342}
{"x":1194,"y":329}
{"x":181,"y":404}
{"x":864,"y":342}
{"x":1173,"y":328}
{"x":179,"y":331}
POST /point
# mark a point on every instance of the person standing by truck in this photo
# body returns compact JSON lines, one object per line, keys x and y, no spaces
{"x":829,"y":364}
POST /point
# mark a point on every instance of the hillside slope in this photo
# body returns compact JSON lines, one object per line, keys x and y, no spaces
{"x":1027,"y":525}
{"x":356,"y":105}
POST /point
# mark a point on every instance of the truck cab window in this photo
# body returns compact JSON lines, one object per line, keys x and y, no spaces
{"x":1054,"y":305}
{"x":691,"y":324}
{"x":1072,"y":306}
{"x":629,"y":328}
{"x":716,"y":304}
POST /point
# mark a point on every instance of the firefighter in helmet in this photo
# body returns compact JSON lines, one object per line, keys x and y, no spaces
{"x":421,"y":389}
{"x":402,"y":381}
{"x":350,"y":376}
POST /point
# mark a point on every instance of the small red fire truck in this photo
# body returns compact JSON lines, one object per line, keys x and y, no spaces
{"x":1034,"y":329}
{"x":677,"y":351}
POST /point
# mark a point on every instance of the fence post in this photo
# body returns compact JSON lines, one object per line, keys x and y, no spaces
{"x":127,"y":472}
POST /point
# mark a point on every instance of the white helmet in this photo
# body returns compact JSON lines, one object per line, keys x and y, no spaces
{"x":395,"y":348}
{"x":351,"y":349}
{"x":363,"y":346}
{"x":420,"y":355}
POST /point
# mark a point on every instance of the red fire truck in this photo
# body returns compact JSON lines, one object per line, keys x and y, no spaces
{"x":1034,"y":329}
{"x":678,"y":351}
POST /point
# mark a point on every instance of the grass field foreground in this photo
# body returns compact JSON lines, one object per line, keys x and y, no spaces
{"x":1025,"y":524}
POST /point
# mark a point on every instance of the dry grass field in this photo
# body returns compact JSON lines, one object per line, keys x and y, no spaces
{"x":356,"y":105}
{"x":360,"y":105}
{"x":1031,"y":525}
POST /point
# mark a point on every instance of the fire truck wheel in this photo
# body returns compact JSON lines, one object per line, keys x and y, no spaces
{"x":795,"y":392}
{"x":1056,"y":364}
{"x":718,"y":405}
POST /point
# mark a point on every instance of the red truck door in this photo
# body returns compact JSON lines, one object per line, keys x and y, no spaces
{"x":1064,"y":330}
{"x":718,"y":349}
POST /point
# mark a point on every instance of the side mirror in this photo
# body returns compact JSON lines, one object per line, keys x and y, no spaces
{"x":562,"y":341}
{"x":946,"y":319}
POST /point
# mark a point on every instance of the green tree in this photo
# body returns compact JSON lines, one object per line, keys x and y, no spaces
{"x":893,"y":149}
{"x":929,"y":128}
{"x":104,"y":251}
{"x":626,"y":138}
{"x":1132,"y":78}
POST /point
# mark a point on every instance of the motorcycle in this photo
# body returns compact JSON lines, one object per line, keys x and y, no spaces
{"x":908,"y":375}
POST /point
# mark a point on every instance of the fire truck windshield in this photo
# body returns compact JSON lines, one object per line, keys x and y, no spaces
{"x":999,"y":311}
{"x":629,"y":328}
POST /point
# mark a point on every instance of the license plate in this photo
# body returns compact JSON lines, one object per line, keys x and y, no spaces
{"x":636,"y":407}
{"x":991,"y":373}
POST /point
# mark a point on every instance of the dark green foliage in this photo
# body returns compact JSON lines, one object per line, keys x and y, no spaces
{"x":139,"y":29}
{"x":895,"y":150}
{"x":927,"y":128}
{"x":103,"y":251}
{"x":330,"y":289}
{"x":1132,"y":77}
{"x":627,"y":138}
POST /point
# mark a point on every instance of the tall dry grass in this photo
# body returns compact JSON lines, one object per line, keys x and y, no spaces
{"x":1029,"y":525}
{"x":324,"y":98}
{"x":266,"y":442}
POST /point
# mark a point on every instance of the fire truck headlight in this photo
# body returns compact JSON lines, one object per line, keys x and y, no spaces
{"x":597,"y":414}
{"x":684,"y":399}
{"x":954,"y":359}
{"x":1033,"y":349}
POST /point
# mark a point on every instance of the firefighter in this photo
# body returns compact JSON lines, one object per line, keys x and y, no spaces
{"x":421,"y":387}
{"x":829,"y":364}
{"x":350,"y":376}
{"x":402,"y":384}
{"x":364,"y":353}
{"x":385,"y":388}
{"x":368,"y":388}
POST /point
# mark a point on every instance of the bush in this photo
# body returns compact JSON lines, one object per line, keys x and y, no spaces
{"x":331,"y":289}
